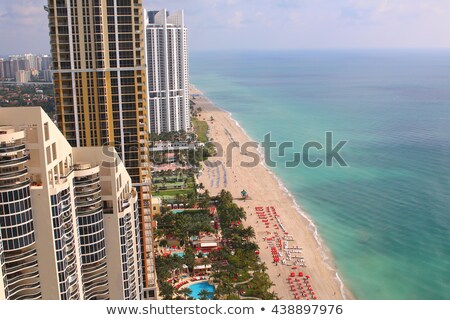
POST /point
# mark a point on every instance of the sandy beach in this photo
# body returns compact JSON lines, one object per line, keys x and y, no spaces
{"x":264,"y":191}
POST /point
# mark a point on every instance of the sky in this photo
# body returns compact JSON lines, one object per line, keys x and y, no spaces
{"x":266,"y":24}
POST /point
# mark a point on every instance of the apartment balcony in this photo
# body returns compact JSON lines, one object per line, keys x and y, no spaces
{"x":10,"y":161}
{"x":71,"y":262}
{"x":22,"y":277}
{"x":86,"y":181}
{"x":72,"y":280}
{"x":99,"y":294}
{"x":129,"y":235}
{"x":65,"y":197}
{"x":87,"y":191}
{"x":69,"y":238}
{"x":130,"y":260}
{"x":22,"y":266}
{"x":74,"y":291}
{"x":11,"y":258}
{"x":89,"y":210}
{"x":15,"y":185}
{"x":66,"y":172}
{"x":30,"y":296}
{"x":124,"y":205}
{"x":34,"y":285}
{"x":94,"y":266}
{"x":7,"y":148}
{"x":91,"y":287}
{"x":13,"y":174}
{"x":88,"y":201}
{"x":96,"y":276}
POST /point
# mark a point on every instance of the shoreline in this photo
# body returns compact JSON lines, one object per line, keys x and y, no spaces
{"x":318,"y":258}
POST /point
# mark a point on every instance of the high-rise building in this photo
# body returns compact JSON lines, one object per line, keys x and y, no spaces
{"x":99,"y":72}
{"x":47,"y":75}
{"x":46,"y":62}
{"x":23,"y":76}
{"x":2,"y":70}
{"x":11,"y":66}
{"x":168,"y":73}
{"x":69,"y":217}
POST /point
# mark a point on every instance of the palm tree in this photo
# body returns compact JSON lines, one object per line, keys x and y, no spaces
{"x":185,"y":292}
{"x":205,"y":261}
{"x":204,"y":203}
{"x":166,"y":291}
{"x":204,"y":295}
{"x":178,"y":198}
{"x":247,"y":233}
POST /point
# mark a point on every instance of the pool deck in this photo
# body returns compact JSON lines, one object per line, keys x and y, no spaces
{"x":186,"y":282}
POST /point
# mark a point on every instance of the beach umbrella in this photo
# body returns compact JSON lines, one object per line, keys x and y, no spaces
{"x":292,"y":274}
{"x":313,"y":293}
{"x":315,"y":298}
{"x":300,"y":274}
{"x":307,"y":277}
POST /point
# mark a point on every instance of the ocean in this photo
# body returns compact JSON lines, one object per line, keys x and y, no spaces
{"x":386,"y":216}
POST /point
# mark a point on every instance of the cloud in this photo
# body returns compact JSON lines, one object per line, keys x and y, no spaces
{"x":23,"y":27}
{"x":312,"y":23}
{"x":236,"y":21}
{"x":232,"y":2}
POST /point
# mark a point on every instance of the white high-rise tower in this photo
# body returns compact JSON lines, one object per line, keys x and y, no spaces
{"x":168,"y":73}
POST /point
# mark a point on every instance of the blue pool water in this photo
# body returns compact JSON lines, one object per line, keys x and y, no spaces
{"x":199,"y":286}
{"x":180,"y":254}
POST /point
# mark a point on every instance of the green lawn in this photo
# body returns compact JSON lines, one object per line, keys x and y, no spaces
{"x":171,"y":193}
{"x":200,"y":128}
{"x":170,"y":185}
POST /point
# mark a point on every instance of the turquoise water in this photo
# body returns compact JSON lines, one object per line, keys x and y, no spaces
{"x":199,"y":286}
{"x":180,"y":254}
{"x":385,"y":217}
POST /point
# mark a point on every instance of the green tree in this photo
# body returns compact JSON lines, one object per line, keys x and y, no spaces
{"x":204,"y":203}
{"x":166,"y":291}
{"x":184,"y":292}
{"x":163,"y":243}
{"x":205,"y":261}
{"x":204,"y":295}
{"x":189,"y":258}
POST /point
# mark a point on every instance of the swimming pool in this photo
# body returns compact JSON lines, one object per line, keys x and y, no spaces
{"x":180,"y":254}
{"x":199,"y":286}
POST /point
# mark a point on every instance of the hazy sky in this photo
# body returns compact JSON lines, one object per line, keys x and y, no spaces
{"x":262,"y":24}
